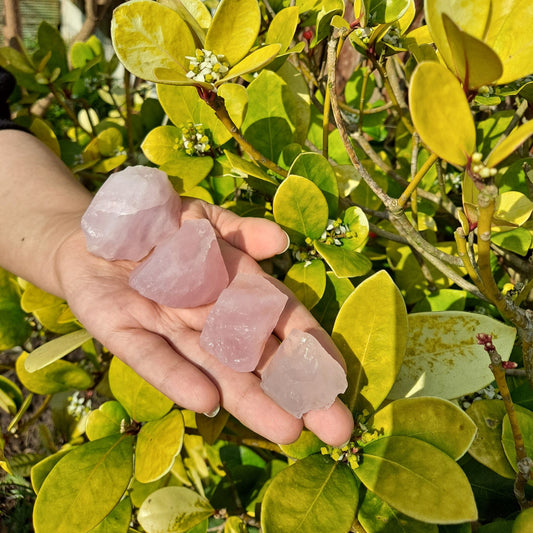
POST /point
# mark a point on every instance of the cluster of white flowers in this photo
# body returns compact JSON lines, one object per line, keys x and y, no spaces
{"x":78,"y":405}
{"x":194,"y":140}
{"x":392,"y":37}
{"x":488,"y":393}
{"x":335,"y":231}
{"x":206,"y":66}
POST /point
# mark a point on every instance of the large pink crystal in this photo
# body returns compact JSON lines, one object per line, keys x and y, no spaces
{"x":134,"y":210}
{"x":185,"y":270}
{"x":242,"y":319}
{"x":302,"y":376}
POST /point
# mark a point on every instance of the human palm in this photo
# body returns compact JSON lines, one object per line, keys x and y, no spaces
{"x":162,"y":344}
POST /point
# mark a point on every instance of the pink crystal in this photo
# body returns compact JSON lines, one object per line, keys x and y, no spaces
{"x":302,"y":376}
{"x":185,"y":270}
{"x":134,"y":210}
{"x":242,"y":319}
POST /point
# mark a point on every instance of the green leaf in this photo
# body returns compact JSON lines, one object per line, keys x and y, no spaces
{"x":386,"y":11}
{"x":10,"y":396}
{"x":55,"y":349}
{"x":14,"y":329}
{"x":371,"y":333}
{"x":306,"y":444}
{"x":107,"y":420}
{"x":487,"y":446}
{"x":517,"y":240}
{"x":40,"y":471}
{"x":326,"y":499}
{"x":524,"y":521}
{"x":525,"y":422}
{"x":142,"y":401}
{"x":433,"y":420}
{"x":185,"y":171}
{"x":474,"y":63}
{"x":510,"y":144}
{"x":441,"y":114}
{"x":234,"y":29}
{"x":194,"y":12}
{"x":147,"y":36}
{"x":235,"y":525}
{"x":418,"y":480}
{"x":335,"y":294}
{"x":281,"y":29}
{"x":173,"y":510}
{"x":84,"y":486}
{"x":442,"y":300}
{"x":317,"y":168}
{"x":252,"y":62}
{"x":376,"y":516}
{"x":328,"y":10}
{"x":161,"y":143}
{"x":117,"y":521}
{"x":512,"y":208}
{"x":56,"y":377}
{"x":307,"y":281}
{"x":158,"y":443}
{"x":443,"y":357}
{"x":346,"y":263}
{"x":301,"y":209}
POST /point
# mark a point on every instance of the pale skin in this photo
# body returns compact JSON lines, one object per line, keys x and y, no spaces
{"x":41,"y":205}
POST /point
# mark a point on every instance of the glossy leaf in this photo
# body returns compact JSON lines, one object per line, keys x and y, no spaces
{"x":371,"y":333}
{"x":418,"y":480}
{"x":443,"y":358}
{"x":473,"y":62}
{"x":70,"y":498}
{"x":46,"y":134}
{"x":173,"y":510}
{"x":306,"y":444}
{"x":235,"y":525}
{"x":328,"y":10}
{"x":307,"y":281}
{"x":512,"y":207}
{"x":318,"y":481}
{"x":55,"y":349}
{"x":434,"y":420}
{"x":147,"y":36}
{"x":142,"y":401}
{"x":158,"y":443}
{"x":194,"y":12}
{"x":14,"y":329}
{"x":524,"y":521}
{"x":117,"y":521}
{"x":386,"y":11}
{"x":441,"y":114}
{"x":301,"y":209}
{"x":234,"y":29}
{"x":10,"y":396}
{"x":525,"y":422}
{"x":376,"y":516}
{"x":518,"y":240}
{"x":344,"y":262}
{"x":252,"y":62}
{"x":281,"y":29}
{"x":487,"y":446}
{"x":56,"y":377}
{"x":40,"y":470}
{"x":211,"y":427}
{"x":317,"y":168}
{"x":186,"y":172}
{"x":107,"y":420}
{"x":264,"y":180}
{"x":510,"y":144}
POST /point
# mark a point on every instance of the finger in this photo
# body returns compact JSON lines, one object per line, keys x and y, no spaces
{"x":258,"y":237}
{"x":334,"y":425}
{"x":159,"y":364}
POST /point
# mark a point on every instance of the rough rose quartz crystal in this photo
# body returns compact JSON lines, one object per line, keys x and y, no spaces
{"x":134,"y":210}
{"x":242,"y":319}
{"x":185,"y":270}
{"x":302,"y":376}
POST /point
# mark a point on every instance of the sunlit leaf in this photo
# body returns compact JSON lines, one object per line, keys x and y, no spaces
{"x":433,"y":420}
{"x":371,"y":333}
{"x":524,"y":521}
{"x":443,"y":357}
{"x":385,"y":11}
{"x":252,"y":62}
{"x":194,"y":12}
{"x":107,"y":420}
{"x":307,"y":281}
{"x":510,"y":144}
{"x":441,"y":114}
{"x":512,"y":207}
{"x":117,"y":521}
{"x":281,"y":29}
{"x":418,"y":480}
{"x":318,"y":481}
{"x":40,"y":470}
{"x":345,"y":262}
{"x":307,"y":444}
{"x":517,"y":240}
{"x":525,"y":423}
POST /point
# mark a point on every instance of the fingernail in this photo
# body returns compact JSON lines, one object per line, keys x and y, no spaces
{"x":213,"y":413}
{"x":288,"y":241}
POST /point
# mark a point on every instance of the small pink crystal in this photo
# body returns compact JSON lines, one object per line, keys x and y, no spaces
{"x":302,"y":376}
{"x":134,"y":210}
{"x":238,"y":326}
{"x":185,"y":270}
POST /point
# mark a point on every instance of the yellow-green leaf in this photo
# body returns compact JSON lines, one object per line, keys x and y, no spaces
{"x":147,"y":36}
{"x":40,"y":470}
{"x":55,"y":349}
{"x":108,"y":419}
{"x":301,"y":209}
{"x":306,"y":444}
{"x":525,"y":423}
{"x":70,"y":498}
{"x":510,"y":144}
{"x":487,"y":446}
{"x":441,"y":114}
{"x":194,"y":12}
{"x":418,"y":480}
{"x":433,"y":420}
{"x":252,"y":62}
{"x":371,"y":333}
{"x":234,"y":29}
{"x":158,"y":443}
{"x":344,"y":261}
{"x":474,"y":63}
{"x":186,"y":172}
{"x":55,"y":377}
{"x":443,"y":357}
{"x":173,"y":510}
{"x":142,"y":401}
{"x":161,"y":143}
{"x":281,"y":29}
{"x":46,"y":134}
{"x":307,"y":281}
{"x":512,"y":208}
{"x":386,"y":11}
{"x":524,"y":521}
{"x":118,"y":520}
